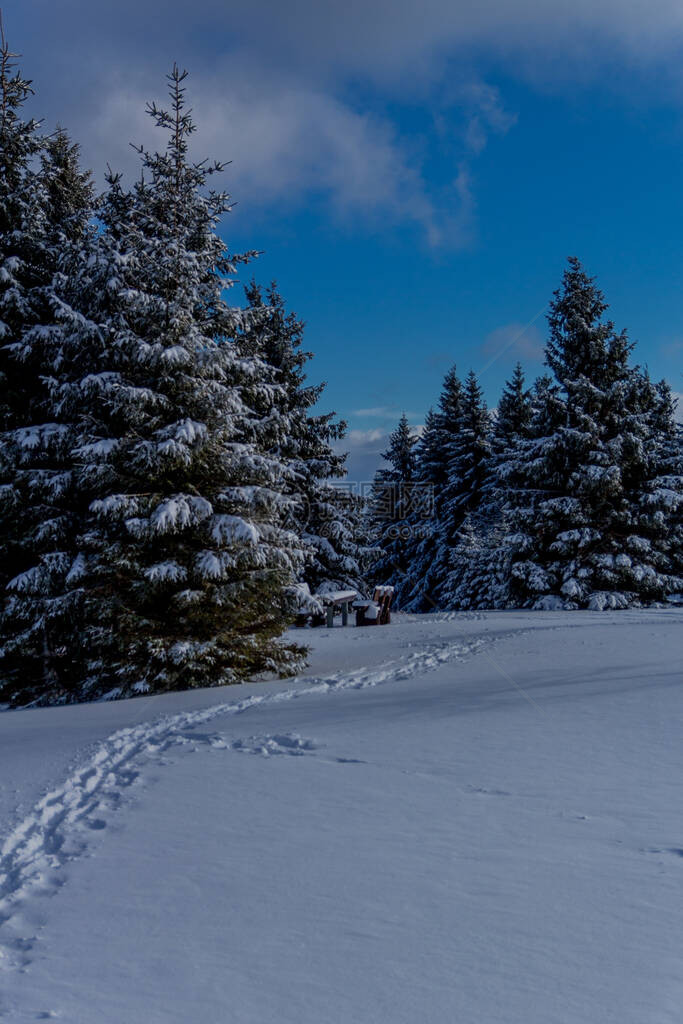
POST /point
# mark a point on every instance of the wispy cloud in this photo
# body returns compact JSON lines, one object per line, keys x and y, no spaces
{"x":678,"y":396}
{"x":513,"y":342}
{"x":286,"y":142}
{"x":363,"y":438}
{"x":384,"y":412}
{"x":486,"y":114}
{"x":672,"y":348}
{"x":365,"y":448}
{"x":303,"y":97}
{"x":364,"y":453}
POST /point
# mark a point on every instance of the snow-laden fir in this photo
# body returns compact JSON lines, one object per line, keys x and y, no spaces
{"x":325,"y":514}
{"x":164,"y":483}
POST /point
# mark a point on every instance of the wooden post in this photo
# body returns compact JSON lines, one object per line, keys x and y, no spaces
{"x":330,"y":615}
{"x":345,"y":613}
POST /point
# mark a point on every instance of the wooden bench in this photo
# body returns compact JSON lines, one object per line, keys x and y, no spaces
{"x":376,"y":612}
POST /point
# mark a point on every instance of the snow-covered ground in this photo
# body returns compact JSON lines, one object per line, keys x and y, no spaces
{"x":451,"y":819}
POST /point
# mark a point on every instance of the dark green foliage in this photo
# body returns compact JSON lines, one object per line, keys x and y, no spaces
{"x":391,"y":503}
{"x":427,"y":561}
{"x":178,"y":571}
{"x":574,"y":498}
{"x":577,"y":482}
{"x":323,"y":513}
{"x":45,"y":205}
{"x":515,"y":409}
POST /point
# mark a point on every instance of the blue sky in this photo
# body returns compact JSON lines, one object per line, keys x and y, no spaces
{"x":416,"y":173}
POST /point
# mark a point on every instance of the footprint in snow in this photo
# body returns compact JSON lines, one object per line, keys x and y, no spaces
{"x":267,"y":746}
{"x":482,"y":791}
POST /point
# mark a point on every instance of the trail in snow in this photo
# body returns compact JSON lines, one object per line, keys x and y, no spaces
{"x":60,"y":827}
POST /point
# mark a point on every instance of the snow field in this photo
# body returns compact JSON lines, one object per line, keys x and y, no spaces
{"x":56,"y":831}
{"x":441,"y":848}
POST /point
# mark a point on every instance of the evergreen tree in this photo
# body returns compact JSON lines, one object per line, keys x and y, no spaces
{"x":480,"y":561}
{"x":324,"y":514}
{"x":654,"y":476}
{"x":468,"y":461}
{"x":514,"y":413}
{"x":468,"y":454}
{"x":45,"y":207}
{"x":426,"y":557}
{"x":577,"y":479}
{"x":182,"y":562}
{"x":446,"y":428}
{"x":391,"y":504}
{"x":22,"y":248}
{"x":413,"y":591}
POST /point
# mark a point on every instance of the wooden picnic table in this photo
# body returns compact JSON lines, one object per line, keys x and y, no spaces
{"x":337,"y":599}
{"x":320,"y":609}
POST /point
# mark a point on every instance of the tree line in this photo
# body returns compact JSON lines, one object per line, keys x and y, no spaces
{"x":168,"y":487}
{"x":568,"y":495}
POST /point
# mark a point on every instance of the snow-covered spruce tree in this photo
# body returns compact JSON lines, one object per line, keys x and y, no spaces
{"x":22,"y":259}
{"x":366,"y":552}
{"x":424,"y":575}
{"x":183,"y":562}
{"x":390,"y":505}
{"x":516,"y":486}
{"x":45,"y":208}
{"x":68,"y":191}
{"x":469,"y":452}
{"x":480,"y":561}
{"x":412,"y":592}
{"x":575,"y":484}
{"x":324,"y":515}
{"x":514,"y":412}
{"x":468,"y":464}
{"x":654,"y":476}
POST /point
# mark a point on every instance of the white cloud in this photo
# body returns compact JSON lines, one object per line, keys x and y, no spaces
{"x":486,"y":114}
{"x":363,"y":438}
{"x":512,"y":343}
{"x":364,"y":454}
{"x":384,"y":39}
{"x":385,"y":412}
{"x":286,"y":142}
{"x":678,"y":397}
{"x":382,"y":411}
{"x":364,"y":448}
{"x":277,"y":86}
